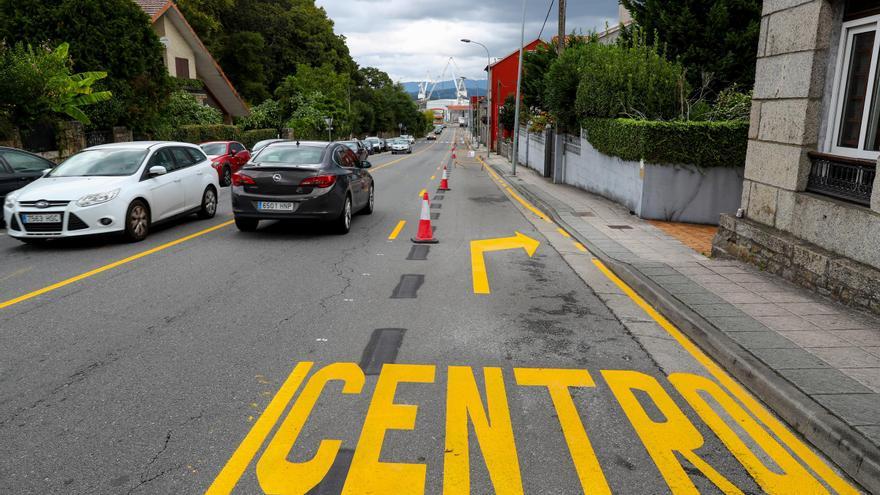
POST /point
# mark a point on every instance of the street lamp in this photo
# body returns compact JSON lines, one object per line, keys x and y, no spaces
{"x":522,"y":34}
{"x":329,"y":122}
{"x":488,"y":96}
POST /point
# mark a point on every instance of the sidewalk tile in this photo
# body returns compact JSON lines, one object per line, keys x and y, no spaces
{"x":835,"y":322}
{"x":695,"y":270}
{"x":872,"y":432}
{"x":670,"y":279}
{"x":810,"y":308}
{"x":745,"y":278}
{"x":855,"y":409}
{"x":743,"y":298}
{"x":735,"y":324}
{"x":824,"y":381}
{"x":716,"y":309}
{"x":869,"y":377}
{"x":781,"y":323}
{"x":709,"y":279}
{"x":727,"y":270}
{"x":866,"y":338}
{"x":873,"y":350}
{"x":763,"y":309}
{"x":762,"y":287}
{"x":770,"y":340}
{"x":688,"y":288}
{"x":724,"y":288}
{"x":779,"y":296}
{"x":815,"y":338}
{"x":784,"y":359}
{"x":664,"y":270}
{"x":703,"y":298}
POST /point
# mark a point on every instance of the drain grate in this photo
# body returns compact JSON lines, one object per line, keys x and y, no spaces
{"x":620,"y":227}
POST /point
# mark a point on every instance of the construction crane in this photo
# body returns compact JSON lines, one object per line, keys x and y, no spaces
{"x":461,"y":94}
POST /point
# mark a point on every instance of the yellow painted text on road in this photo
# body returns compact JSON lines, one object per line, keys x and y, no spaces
{"x":480,"y":247}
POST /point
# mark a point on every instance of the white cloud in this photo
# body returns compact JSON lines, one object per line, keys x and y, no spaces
{"x":406,"y":38}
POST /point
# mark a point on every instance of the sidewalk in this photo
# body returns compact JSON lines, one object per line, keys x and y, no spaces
{"x":814,"y":361}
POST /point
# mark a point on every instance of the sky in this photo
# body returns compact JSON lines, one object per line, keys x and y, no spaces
{"x":409,"y":38}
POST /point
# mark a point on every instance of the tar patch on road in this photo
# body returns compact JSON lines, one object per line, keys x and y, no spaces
{"x":489,"y":199}
{"x":435,"y":216}
{"x":408,"y":287}
{"x":381,"y":349}
{"x":438,"y":197}
{"x":436,"y":206}
{"x":335,"y":479}
{"x":419,"y":252}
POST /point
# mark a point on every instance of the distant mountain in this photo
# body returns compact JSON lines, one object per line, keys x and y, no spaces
{"x":446,"y":89}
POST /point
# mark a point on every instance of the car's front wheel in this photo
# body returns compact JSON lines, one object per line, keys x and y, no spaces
{"x":209,"y":204}
{"x":137,"y":221}
{"x":246,"y":224}
{"x":343,"y":223}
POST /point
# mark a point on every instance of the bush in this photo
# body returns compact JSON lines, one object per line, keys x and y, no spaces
{"x":266,"y":115}
{"x":251,"y":137}
{"x":704,"y":144}
{"x":201,"y":133}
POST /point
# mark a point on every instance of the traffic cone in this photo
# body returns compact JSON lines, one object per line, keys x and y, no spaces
{"x":425,"y":235}
{"x":444,"y":181}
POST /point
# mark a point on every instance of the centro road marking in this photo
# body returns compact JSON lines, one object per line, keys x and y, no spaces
{"x":766,"y":419}
{"x":96,"y":271}
{"x":396,"y":231}
{"x":478,"y":261}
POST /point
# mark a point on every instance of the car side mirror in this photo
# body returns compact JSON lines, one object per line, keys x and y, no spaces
{"x":366,"y":164}
{"x":157,"y":170}
{"x":45,"y":172}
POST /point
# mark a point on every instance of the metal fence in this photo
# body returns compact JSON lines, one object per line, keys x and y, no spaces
{"x":842,"y":178}
{"x":39,"y":138}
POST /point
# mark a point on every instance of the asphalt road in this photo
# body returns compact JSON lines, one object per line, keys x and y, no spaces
{"x":174,"y":372}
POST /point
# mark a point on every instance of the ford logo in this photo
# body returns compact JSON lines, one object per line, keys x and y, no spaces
{"x":42,"y":204}
{"x":276,"y":177}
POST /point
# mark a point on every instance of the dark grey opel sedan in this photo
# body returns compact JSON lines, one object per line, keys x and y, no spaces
{"x":302,"y":180}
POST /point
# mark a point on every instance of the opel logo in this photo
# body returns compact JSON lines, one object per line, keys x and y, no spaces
{"x":276,"y":177}
{"x":42,"y":204}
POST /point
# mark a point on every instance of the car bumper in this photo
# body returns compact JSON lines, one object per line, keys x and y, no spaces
{"x":76,"y":221}
{"x":316,"y":206}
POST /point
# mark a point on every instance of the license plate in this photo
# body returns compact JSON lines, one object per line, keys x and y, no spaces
{"x":275,"y":206}
{"x":41,"y":218}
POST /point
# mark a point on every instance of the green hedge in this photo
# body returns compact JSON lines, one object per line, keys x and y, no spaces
{"x":201,"y":133}
{"x":704,"y":144}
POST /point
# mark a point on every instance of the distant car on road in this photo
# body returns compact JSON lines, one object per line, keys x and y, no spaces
{"x":122,"y":188}
{"x":19,"y":168}
{"x":308,"y":180}
{"x":409,"y":138}
{"x":359,"y":148}
{"x":431,"y":136}
{"x":400,"y":145}
{"x":375,"y":143}
{"x":266,"y":142}
{"x":226,"y":157}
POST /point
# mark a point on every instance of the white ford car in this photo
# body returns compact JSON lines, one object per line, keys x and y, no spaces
{"x":121,"y":188}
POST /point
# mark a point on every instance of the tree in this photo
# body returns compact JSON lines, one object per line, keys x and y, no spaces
{"x":37,"y":82}
{"x":112,"y":36}
{"x":717,"y":37}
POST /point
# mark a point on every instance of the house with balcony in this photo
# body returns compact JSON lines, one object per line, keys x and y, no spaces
{"x":187,"y":59}
{"x":810,"y":208}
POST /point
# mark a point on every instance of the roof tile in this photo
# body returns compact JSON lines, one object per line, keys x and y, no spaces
{"x":151,"y":7}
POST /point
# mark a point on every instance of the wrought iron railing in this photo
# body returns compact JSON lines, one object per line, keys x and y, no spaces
{"x":843,"y":178}
{"x":97,"y":137}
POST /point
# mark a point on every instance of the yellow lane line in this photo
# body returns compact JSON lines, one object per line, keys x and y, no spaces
{"x":580,"y":247}
{"x":392,"y":162}
{"x":564,"y":233}
{"x":396,"y":231}
{"x":801,"y":450}
{"x":96,"y":271}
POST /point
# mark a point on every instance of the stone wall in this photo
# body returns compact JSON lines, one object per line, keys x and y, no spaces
{"x":799,"y":261}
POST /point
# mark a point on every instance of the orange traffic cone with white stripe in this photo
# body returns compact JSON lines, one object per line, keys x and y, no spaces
{"x":444,"y":181}
{"x":425,"y":235}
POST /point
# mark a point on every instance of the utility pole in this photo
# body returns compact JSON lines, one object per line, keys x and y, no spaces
{"x":522,"y":40}
{"x":561,"y":47}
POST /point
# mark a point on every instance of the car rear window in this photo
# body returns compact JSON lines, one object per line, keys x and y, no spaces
{"x":286,"y":155}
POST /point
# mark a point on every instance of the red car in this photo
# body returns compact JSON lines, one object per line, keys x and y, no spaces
{"x":227,"y":157}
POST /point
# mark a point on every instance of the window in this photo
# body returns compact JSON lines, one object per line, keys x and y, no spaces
{"x":181,"y":67}
{"x":23,"y":162}
{"x":196,"y":155}
{"x":162,"y":158}
{"x":237,"y":147}
{"x":182,"y":157}
{"x":856,"y":105}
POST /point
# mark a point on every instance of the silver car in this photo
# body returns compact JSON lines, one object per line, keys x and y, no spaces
{"x":400,"y":145}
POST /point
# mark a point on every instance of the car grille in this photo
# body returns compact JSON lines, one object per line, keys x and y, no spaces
{"x":75,"y":223}
{"x":42,"y":227}
{"x":51,"y":204}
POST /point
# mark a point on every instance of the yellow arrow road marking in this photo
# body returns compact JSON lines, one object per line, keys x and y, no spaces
{"x":396,"y":231}
{"x":478,"y":262}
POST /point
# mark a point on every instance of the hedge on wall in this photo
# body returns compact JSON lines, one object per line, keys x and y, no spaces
{"x":221,"y":132}
{"x":703,"y":144}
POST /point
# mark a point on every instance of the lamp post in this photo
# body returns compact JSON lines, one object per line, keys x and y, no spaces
{"x":329,"y":122}
{"x":488,"y":96}
{"x":522,"y":40}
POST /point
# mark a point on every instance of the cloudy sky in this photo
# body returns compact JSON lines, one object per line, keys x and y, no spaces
{"x":407,"y":38}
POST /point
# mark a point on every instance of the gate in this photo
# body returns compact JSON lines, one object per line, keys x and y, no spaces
{"x":549,"y":158}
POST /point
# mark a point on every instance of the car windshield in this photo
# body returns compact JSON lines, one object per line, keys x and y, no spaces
{"x":288,"y":155}
{"x":101,"y":162}
{"x":214,"y":148}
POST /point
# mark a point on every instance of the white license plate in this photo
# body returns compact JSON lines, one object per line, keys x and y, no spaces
{"x":41,"y":218}
{"x":275,"y":206}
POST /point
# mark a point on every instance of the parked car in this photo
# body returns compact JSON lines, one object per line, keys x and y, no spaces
{"x":227,"y":157}
{"x":409,"y":138}
{"x":121,"y":188}
{"x":384,"y":144}
{"x":266,"y":142}
{"x":360,"y":150}
{"x":19,"y":168}
{"x":400,"y":145}
{"x":375,"y":143}
{"x":308,"y":180}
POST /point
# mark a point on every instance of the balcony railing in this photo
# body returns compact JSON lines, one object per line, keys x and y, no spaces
{"x":843,"y":178}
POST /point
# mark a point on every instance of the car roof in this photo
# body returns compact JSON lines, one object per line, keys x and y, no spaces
{"x":218,"y":142}
{"x":144,"y":145}
{"x":300,"y":143}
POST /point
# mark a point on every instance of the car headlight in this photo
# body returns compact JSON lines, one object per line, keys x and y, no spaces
{"x":97,"y":198}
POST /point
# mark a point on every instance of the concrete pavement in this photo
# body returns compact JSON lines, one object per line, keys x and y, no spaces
{"x":289,"y":360}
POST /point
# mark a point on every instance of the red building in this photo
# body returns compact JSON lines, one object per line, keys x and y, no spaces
{"x":502,"y":82}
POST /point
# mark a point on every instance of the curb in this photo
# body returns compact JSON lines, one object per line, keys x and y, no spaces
{"x":848,"y":448}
